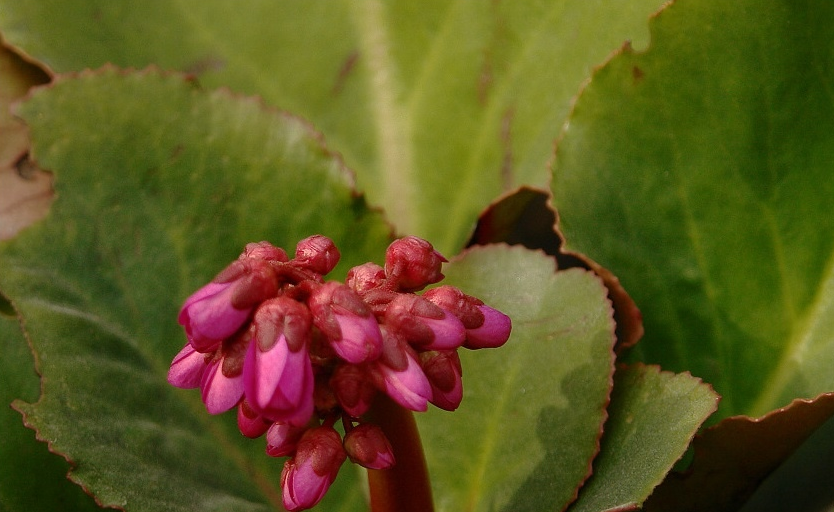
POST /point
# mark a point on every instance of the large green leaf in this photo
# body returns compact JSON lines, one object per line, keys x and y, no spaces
{"x":415,"y":95}
{"x":700,"y":172}
{"x":532,"y":411}
{"x":159,"y":184}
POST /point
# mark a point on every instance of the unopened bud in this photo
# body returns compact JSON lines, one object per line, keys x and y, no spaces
{"x":367,"y":446}
{"x":444,"y":371}
{"x":411,"y":264}
{"x":316,"y":253}
{"x":264,"y":251}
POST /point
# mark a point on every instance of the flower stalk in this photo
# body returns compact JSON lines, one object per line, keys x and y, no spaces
{"x":406,"y":486}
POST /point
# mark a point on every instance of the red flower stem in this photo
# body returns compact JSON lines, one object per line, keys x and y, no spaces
{"x":406,"y":486}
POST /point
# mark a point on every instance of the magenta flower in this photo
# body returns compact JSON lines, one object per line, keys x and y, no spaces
{"x":277,"y":374}
{"x":295,"y":354}
{"x":187,"y":368}
{"x":347,"y":322}
{"x":307,"y":476}
{"x":423,"y":324}
{"x":217,"y":310}
{"x":367,"y":446}
{"x":412,"y":263}
{"x":398,"y":373}
{"x":444,"y":372}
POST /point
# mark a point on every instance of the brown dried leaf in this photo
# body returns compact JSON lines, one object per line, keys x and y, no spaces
{"x":733,"y":457}
{"x":25,"y":190}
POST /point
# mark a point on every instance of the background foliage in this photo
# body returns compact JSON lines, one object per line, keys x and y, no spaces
{"x":696,"y":168}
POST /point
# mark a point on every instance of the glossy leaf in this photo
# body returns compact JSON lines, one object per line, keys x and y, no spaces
{"x":159,"y":184}
{"x":653,"y":417}
{"x":699,"y":172}
{"x":532,"y":412}
{"x":414,"y":95}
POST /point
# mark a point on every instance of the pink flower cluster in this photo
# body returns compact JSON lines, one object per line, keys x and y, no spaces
{"x":295,"y":354}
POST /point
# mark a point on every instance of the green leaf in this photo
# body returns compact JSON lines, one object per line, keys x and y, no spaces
{"x":653,"y":417}
{"x":23,"y":456}
{"x":159,"y":184}
{"x":532,"y":412}
{"x":699,"y":172}
{"x":414,"y":95}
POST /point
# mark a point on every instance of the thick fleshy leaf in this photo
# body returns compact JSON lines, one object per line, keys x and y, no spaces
{"x":414,"y":95}
{"x":22,"y":454}
{"x":159,"y":184}
{"x":653,"y":417}
{"x":532,"y":410}
{"x":700,"y":173}
{"x":734,"y":457}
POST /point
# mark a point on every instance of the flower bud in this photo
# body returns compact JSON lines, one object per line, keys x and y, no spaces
{"x":187,"y":368}
{"x":220,"y":308}
{"x":353,"y":390}
{"x":493,"y":333}
{"x":411,"y":264}
{"x":365,"y":277}
{"x":264,"y":251}
{"x":316,"y":253}
{"x":424,"y":325}
{"x":399,"y":374}
{"x":463,"y":306}
{"x":250,"y":423}
{"x":220,"y":392}
{"x":444,"y":371}
{"x":282,"y":439}
{"x":307,"y":476}
{"x":367,"y":446}
{"x":278,"y":374}
{"x":486,"y":327}
{"x":347,"y":322}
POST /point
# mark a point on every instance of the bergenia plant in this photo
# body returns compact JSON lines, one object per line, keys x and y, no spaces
{"x":634,"y":199}
{"x":296,"y":354}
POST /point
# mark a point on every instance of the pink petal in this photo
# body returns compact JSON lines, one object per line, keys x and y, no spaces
{"x":494,"y":332}
{"x":279,"y":383}
{"x":187,"y":368}
{"x":361,"y":340}
{"x":220,"y":393}
{"x":409,"y":388}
